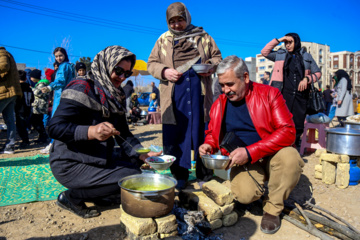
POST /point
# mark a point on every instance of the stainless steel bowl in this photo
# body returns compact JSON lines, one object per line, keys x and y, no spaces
{"x":215,"y":161}
{"x":202,"y":68}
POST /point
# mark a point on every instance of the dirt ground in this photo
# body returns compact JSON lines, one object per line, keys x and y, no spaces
{"x":45,"y":220}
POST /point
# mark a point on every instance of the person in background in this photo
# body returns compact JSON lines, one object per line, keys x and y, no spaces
{"x":88,"y":121}
{"x":128,"y":89}
{"x":64,"y":74}
{"x":355,"y":102}
{"x":40,"y":105}
{"x":10,"y":89}
{"x":23,"y":110}
{"x":257,"y":116}
{"x":134,"y":107}
{"x":343,"y":88}
{"x":185,"y":96}
{"x":156,"y":91}
{"x":293,"y":72}
{"x":48,"y":73}
{"x":266,"y":78}
{"x":56,"y":67}
{"x":28,"y":80}
{"x":153,"y":103}
{"x":328,"y":99}
{"x":80,"y":69}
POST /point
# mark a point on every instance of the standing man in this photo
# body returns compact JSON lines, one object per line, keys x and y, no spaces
{"x":328,"y":99}
{"x":257,"y":115}
{"x":9,"y":90}
{"x":266,"y":78}
{"x":156,"y":91}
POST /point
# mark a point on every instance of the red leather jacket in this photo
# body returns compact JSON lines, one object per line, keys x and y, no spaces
{"x":270,"y":115}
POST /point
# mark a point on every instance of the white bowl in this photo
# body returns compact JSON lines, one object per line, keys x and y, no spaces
{"x":202,"y":68}
{"x":161,"y":162}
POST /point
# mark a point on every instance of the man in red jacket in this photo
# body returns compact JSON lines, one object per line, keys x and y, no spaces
{"x":256,"y":114}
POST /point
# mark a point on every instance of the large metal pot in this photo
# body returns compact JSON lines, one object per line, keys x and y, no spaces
{"x":143,"y":113}
{"x":147,"y":204}
{"x":353,"y":125}
{"x":343,"y":141}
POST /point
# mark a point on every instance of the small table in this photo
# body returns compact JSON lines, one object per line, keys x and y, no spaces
{"x":154,"y":117}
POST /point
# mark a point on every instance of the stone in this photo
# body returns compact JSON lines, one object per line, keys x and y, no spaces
{"x":342,"y":175}
{"x":215,"y":224}
{"x":318,"y":152}
{"x":318,"y":175}
{"x":227,"y":209}
{"x":209,"y":207}
{"x":318,"y":168}
{"x":166,"y":224}
{"x":330,"y":157}
{"x":131,"y":236}
{"x":230,"y":219}
{"x":328,"y":173}
{"x":138,"y":226}
{"x":166,"y":235}
{"x":344,"y":158}
{"x":218,"y":192}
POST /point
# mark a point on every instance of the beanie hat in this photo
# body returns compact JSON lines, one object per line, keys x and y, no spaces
{"x":48,"y":73}
{"x":80,"y":65}
{"x":36,"y":73}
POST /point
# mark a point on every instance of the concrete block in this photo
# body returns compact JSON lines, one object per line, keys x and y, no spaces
{"x":318,"y":168}
{"x":318,"y":175}
{"x":215,"y":224}
{"x":330,"y":157}
{"x":138,"y":226}
{"x":218,"y":192}
{"x":166,"y":235}
{"x":131,"y":236}
{"x":318,"y":152}
{"x":328,"y":172}
{"x":227,"y":209}
{"x":230,"y":219}
{"x":344,"y":158}
{"x":166,"y":224}
{"x":342,"y":175}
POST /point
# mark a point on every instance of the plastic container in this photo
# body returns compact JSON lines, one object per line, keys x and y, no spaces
{"x":354,"y":173}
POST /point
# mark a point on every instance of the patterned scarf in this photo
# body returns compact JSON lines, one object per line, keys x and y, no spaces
{"x":179,"y":9}
{"x":101,"y":69}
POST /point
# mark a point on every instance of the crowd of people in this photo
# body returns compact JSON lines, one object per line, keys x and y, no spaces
{"x":258,"y":125}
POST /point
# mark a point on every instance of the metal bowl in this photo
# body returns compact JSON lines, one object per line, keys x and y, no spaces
{"x":215,"y":161}
{"x":202,"y":68}
{"x":161,"y":162}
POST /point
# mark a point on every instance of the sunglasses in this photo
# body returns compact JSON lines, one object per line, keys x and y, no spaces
{"x":120,"y":71}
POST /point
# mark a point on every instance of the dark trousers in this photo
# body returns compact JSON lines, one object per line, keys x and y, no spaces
{"x":21,"y":126}
{"x":37,"y":122}
{"x":328,"y":106}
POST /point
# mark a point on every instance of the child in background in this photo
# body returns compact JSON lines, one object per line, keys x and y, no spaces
{"x":80,"y":70}
{"x":49,"y":73}
{"x":153,"y":103}
{"x":40,"y":105}
{"x":23,"y":110}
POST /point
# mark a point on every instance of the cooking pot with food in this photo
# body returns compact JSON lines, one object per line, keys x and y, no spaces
{"x":343,"y":141}
{"x":147,"y":195}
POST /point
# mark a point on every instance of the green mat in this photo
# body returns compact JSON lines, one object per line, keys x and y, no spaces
{"x":30,"y":179}
{"x":27,"y":179}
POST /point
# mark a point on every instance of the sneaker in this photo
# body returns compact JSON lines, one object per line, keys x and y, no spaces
{"x":9,"y":149}
{"x":46,"y":150}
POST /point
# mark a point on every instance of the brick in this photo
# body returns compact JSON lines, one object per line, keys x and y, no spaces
{"x":318,"y":168}
{"x":342,"y":175}
{"x":227,"y":209}
{"x":131,"y":236}
{"x":167,"y":235}
{"x":328,"y":173}
{"x":330,"y":157}
{"x":230,"y":219}
{"x":218,"y":192}
{"x":138,"y":226}
{"x":215,"y":224}
{"x":318,"y":152}
{"x":344,"y":158}
{"x":166,"y":224}
{"x":318,"y":175}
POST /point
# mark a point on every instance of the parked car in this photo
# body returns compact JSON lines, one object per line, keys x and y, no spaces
{"x":144,"y":98}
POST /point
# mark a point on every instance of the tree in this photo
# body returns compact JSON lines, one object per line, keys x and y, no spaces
{"x":86,"y":61}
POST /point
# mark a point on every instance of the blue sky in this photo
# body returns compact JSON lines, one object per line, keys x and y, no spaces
{"x":238,"y":27}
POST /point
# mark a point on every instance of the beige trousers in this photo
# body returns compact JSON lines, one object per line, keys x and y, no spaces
{"x":282,"y":171}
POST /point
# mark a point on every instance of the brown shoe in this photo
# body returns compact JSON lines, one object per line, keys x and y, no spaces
{"x":270,"y":224}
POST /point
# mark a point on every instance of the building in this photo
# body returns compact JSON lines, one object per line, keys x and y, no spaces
{"x":264,"y":65}
{"x":251,"y":64}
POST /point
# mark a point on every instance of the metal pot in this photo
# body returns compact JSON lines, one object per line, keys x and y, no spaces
{"x":343,"y":141}
{"x":143,"y":113}
{"x":147,"y":204}
{"x":353,"y":125}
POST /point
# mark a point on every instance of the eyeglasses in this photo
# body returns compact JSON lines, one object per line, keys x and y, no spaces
{"x":120,"y":71}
